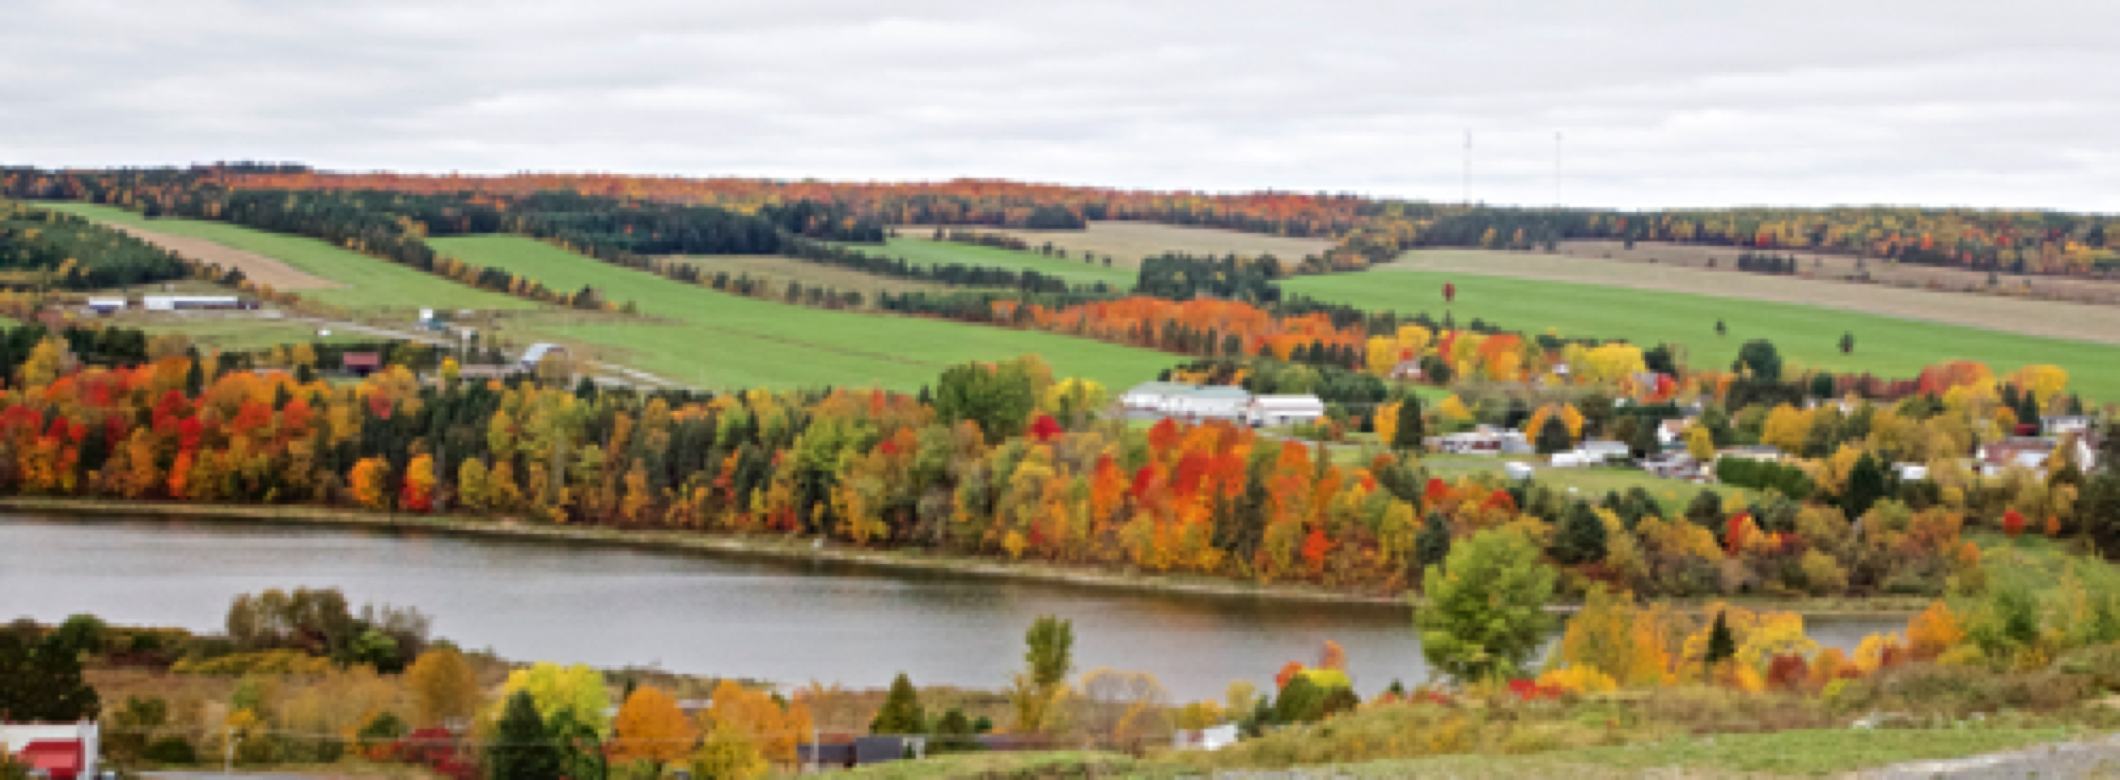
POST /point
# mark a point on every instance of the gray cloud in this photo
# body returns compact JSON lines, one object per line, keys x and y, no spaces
{"x":1661,"y":103}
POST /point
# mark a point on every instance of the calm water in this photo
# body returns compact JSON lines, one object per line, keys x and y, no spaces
{"x":770,"y":620}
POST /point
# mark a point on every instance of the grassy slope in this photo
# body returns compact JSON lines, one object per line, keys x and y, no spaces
{"x":248,"y":334}
{"x":922,"y":251}
{"x":732,"y":341}
{"x":369,"y":281}
{"x":1806,"y":335}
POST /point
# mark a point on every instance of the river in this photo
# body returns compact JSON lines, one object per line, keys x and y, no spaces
{"x":782,"y":621}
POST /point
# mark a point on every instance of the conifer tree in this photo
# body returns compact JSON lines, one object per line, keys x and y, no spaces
{"x":521,"y":748}
{"x":901,"y":710}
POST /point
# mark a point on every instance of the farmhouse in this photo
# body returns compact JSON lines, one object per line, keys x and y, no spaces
{"x":1483,"y":440}
{"x":2031,"y":452}
{"x":2055,"y":425}
{"x":1277,"y":410}
{"x":361,"y":363}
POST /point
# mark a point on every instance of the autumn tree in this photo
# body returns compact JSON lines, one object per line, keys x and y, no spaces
{"x":652,"y":730}
{"x":443,"y":687}
{"x":901,"y":713}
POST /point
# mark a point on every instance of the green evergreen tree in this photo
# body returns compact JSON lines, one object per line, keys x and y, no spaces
{"x":1847,"y":343}
{"x":521,"y":748}
{"x":1553,"y":436}
{"x":1866,"y":486}
{"x":1761,"y":358}
{"x":1432,"y":546}
{"x":1582,"y":536}
{"x":1412,"y":429}
{"x":1721,"y":645}
{"x":901,"y":712}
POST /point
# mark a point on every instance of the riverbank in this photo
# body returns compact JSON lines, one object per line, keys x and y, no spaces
{"x":791,"y":548}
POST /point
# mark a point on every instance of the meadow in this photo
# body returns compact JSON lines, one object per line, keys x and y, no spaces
{"x":778,"y":271}
{"x":1808,"y":336}
{"x":1129,"y":242}
{"x":719,"y":340}
{"x":364,"y":282}
{"x":923,"y":251}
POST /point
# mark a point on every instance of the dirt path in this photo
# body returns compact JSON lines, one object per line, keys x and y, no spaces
{"x":2091,"y":758}
{"x":2053,"y":319}
{"x":255,"y":267}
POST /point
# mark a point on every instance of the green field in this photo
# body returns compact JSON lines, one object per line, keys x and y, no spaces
{"x":247,"y":334}
{"x":370,"y":282}
{"x":1807,"y":336}
{"x":728,"y":341}
{"x":921,"y":251}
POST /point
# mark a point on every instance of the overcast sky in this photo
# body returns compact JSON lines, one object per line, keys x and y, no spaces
{"x":1660,"y":103}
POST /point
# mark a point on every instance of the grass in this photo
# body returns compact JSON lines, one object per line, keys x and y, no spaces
{"x":778,"y":271}
{"x":1128,"y":242}
{"x":1590,"y":483}
{"x":719,"y":340}
{"x":246,"y":334}
{"x":921,"y":251}
{"x":1806,"y":335}
{"x":370,"y":282}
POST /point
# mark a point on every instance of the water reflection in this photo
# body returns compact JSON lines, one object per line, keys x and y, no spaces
{"x":787,"y":621}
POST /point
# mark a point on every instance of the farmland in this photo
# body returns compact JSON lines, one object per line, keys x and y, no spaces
{"x":922,"y":251}
{"x":778,"y":271}
{"x":362,"y":281}
{"x":721,"y":340}
{"x":1129,"y":242}
{"x":1807,"y":335}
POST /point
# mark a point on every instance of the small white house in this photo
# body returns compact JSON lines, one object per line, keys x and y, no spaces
{"x":1214,"y":738}
{"x":1276,"y":410}
{"x":1519,"y":471}
{"x":1601,"y":451}
{"x":106,"y":305}
{"x":1911,"y":472}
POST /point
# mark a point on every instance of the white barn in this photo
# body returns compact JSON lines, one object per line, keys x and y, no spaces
{"x":1277,"y":410}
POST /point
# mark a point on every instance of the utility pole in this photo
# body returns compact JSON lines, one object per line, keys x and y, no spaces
{"x":228,"y":761}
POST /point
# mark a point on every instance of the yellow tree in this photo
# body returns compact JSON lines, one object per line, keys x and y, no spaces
{"x":443,"y":687}
{"x":369,"y":477}
{"x":1700,"y":444}
{"x":652,"y":729}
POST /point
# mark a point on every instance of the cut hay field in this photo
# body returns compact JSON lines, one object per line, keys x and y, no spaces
{"x":922,"y":251}
{"x":1129,"y":242}
{"x":1844,"y":267}
{"x":779,"y":271}
{"x":725,"y":341}
{"x":361,"y":281}
{"x":1609,"y":300}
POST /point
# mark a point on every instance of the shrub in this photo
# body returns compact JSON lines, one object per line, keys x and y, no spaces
{"x":2100,"y":663}
{"x":270,"y":662}
{"x":170,"y":750}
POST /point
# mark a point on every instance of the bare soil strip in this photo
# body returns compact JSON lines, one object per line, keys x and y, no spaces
{"x":2053,"y":319}
{"x":258,"y":268}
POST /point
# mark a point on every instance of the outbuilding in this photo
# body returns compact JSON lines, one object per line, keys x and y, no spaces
{"x":537,"y":353}
{"x":1268,"y":411}
{"x":190,"y":302}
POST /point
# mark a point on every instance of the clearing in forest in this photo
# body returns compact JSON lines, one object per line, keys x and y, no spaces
{"x":715,"y":339}
{"x":920,"y":249}
{"x":778,"y":271}
{"x":1500,"y":288}
{"x":1129,"y":242}
{"x":360,"y":281}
